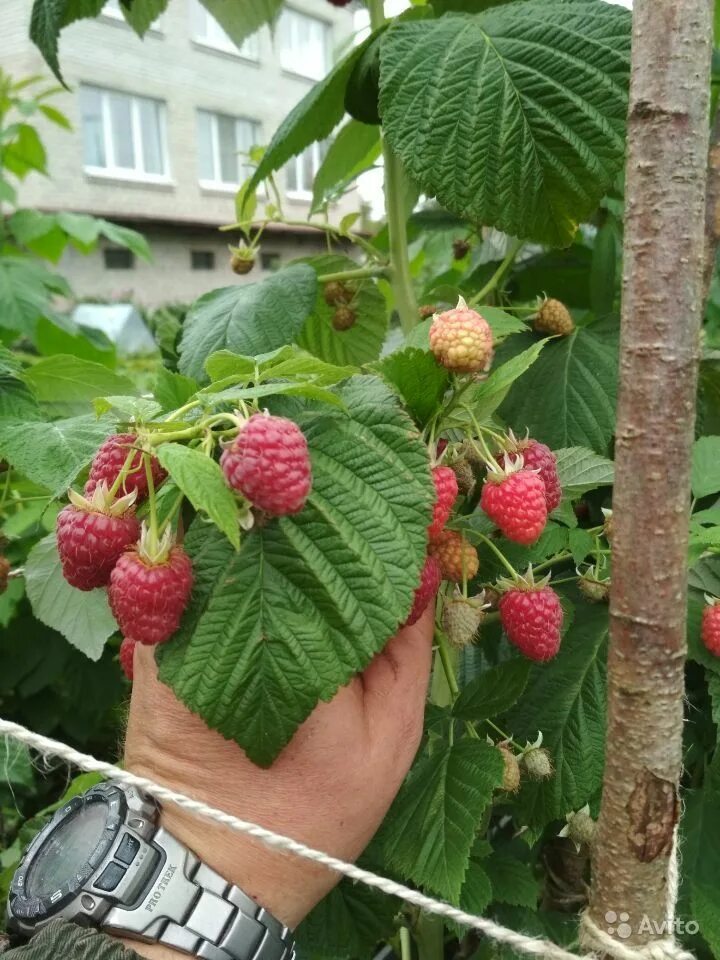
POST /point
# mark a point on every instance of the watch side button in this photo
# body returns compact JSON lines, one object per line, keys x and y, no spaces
{"x":110,"y":877}
{"x":127,"y":849}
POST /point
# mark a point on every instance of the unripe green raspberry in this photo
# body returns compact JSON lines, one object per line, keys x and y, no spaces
{"x":580,"y":827}
{"x":461,"y":620}
{"x":537,"y":763}
{"x":554,"y":318}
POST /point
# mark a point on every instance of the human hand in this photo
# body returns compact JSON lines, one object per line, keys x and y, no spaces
{"x":330,"y":787}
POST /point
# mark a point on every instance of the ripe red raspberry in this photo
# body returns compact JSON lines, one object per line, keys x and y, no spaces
{"x":710,"y":630}
{"x":127,"y":655}
{"x":537,"y":456}
{"x":92,"y":534}
{"x":429,"y":583}
{"x":446,"y":491}
{"x":149,"y":590}
{"x":515,"y":502}
{"x":458,"y":559}
{"x":531,"y":617}
{"x":108,"y":463}
{"x":269,"y":464}
{"x":462,"y":340}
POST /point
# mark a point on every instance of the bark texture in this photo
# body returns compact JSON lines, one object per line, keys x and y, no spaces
{"x":661,"y":315}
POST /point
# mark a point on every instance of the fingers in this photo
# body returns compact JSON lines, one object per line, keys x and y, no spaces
{"x":395,"y":684}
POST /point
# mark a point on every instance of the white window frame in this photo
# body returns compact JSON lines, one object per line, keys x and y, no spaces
{"x":134,"y":174}
{"x":294,"y":70}
{"x":222,"y":42}
{"x":216,"y":184}
{"x":296,"y":161}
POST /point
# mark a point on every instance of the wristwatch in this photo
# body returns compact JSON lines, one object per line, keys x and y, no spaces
{"x":103,"y":861}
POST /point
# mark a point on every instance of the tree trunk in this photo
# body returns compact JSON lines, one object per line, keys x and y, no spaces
{"x":661,"y":315}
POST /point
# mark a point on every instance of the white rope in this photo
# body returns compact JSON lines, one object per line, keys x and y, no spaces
{"x":659,"y":950}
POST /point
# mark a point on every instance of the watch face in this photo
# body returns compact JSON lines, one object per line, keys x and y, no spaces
{"x":65,"y":855}
{"x":66,"y":850}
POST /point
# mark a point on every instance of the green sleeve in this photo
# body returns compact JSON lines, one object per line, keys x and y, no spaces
{"x":60,"y":940}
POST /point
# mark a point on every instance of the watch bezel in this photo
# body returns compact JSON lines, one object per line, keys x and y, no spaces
{"x":35,"y":909}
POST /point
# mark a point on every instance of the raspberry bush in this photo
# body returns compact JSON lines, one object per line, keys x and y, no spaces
{"x":320,"y":460}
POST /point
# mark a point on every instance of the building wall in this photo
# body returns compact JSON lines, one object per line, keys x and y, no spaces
{"x":170,"y":66}
{"x":170,"y":277}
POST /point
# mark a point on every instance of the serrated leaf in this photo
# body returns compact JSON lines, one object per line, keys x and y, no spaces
{"x":701,"y":852}
{"x":203,"y":483}
{"x":538,"y":89}
{"x":82,"y":617}
{"x":173,"y":390}
{"x":363,"y":341}
{"x":501,"y":323}
{"x":418,"y":378}
{"x":706,"y":466}
{"x":80,"y":227}
{"x":16,"y":766}
{"x":52,"y":454}
{"x":49,"y":17}
{"x":132,"y":408}
{"x":349,"y":922}
{"x":314,"y":118}
{"x":249,"y":318}
{"x":303,"y":388}
{"x":241,"y":20}
{"x":488,"y":396}
{"x":494,"y":692}
{"x":355,"y":149}
{"x":141,"y":16}
{"x":580,"y":470}
{"x":429,"y":832}
{"x":125,"y":237}
{"x":512,"y":880}
{"x":309,"y":599}
{"x":565,"y":699}
{"x":289,"y":361}
{"x":568,"y":397}
{"x":581,"y":543}
{"x":25,"y":291}
{"x":70,"y":383}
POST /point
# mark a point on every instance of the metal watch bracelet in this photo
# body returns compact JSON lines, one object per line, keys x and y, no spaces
{"x":201,"y":914}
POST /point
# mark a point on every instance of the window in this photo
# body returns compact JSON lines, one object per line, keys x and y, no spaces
{"x":224,"y":143}
{"x":202,"y":259}
{"x":207,"y":30}
{"x":123,"y":135}
{"x":118,"y":258}
{"x":301,"y":170}
{"x":304,"y":44}
{"x":270,"y":261}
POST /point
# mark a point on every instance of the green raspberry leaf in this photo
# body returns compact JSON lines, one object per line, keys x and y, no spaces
{"x":203,"y":483}
{"x":578,"y":408}
{"x":363,"y":341}
{"x":512,"y":880}
{"x":349,"y":922}
{"x":493,"y":692}
{"x":309,"y":599}
{"x":706,"y":466}
{"x":82,"y":617}
{"x":581,"y":470}
{"x":441,"y":802}
{"x":565,"y":699}
{"x":419,"y":379}
{"x":250,"y":318}
{"x":540,"y":92}
{"x":52,"y":454}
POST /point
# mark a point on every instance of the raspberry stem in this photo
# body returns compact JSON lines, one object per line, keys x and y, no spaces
{"x":501,"y":556}
{"x":449,"y":671}
{"x":154,"y":532}
{"x":499,"y":273}
{"x":120,"y":478}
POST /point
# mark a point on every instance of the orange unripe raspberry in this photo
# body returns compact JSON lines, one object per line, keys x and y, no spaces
{"x":458,"y":559}
{"x":554,"y":318}
{"x":462,"y":340}
{"x":511,"y":769}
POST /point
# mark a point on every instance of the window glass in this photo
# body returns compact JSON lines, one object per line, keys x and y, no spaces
{"x":304,"y":44}
{"x":121,"y":130}
{"x":223,"y":145}
{"x":228,"y":149}
{"x":150,"y":136}
{"x":207,"y":30}
{"x":205,"y":146}
{"x":123,"y":133}
{"x":92,"y":127}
